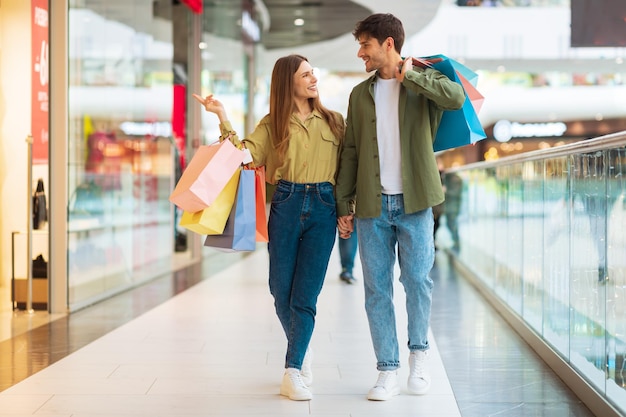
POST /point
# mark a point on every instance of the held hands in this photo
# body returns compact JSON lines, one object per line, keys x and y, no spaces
{"x":345,"y":226}
{"x":212,"y":105}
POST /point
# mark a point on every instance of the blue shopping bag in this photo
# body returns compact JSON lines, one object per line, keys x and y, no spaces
{"x":458,"y":127}
{"x":240,"y":230}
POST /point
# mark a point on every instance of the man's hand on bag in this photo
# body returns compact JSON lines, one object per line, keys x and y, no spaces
{"x":404,"y":66}
{"x":345,"y":226}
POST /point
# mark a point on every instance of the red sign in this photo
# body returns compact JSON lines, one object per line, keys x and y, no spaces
{"x":194,"y":5}
{"x":178,"y":120}
{"x":39,"y":116}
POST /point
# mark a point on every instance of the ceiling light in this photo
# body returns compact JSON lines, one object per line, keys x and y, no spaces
{"x":298,"y":22}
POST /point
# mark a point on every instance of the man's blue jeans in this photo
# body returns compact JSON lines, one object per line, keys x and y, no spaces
{"x":302,"y":228}
{"x":412,"y":235}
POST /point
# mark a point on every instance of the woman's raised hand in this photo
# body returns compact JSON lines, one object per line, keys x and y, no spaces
{"x":212,"y":105}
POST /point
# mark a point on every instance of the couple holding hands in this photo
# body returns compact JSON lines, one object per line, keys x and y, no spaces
{"x":380,"y":156}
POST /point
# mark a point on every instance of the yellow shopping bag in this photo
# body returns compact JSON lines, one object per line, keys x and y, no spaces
{"x":212,"y":220}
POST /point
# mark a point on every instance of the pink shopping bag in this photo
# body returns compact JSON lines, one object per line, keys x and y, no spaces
{"x":208,"y":172}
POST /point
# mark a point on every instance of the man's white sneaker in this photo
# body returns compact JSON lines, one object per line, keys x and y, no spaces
{"x":386,"y":386}
{"x":419,"y":380}
{"x":293,"y":386}
{"x":306,"y":372}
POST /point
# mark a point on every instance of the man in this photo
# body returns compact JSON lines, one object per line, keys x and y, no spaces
{"x":388,"y":166}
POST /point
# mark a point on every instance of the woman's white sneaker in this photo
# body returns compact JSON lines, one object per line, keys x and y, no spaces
{"x":419,"y":380}
{"x":386,"y":386}
{"x":293,"y":387}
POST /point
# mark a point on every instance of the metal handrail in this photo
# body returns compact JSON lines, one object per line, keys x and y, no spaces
{"x":613,"y":140}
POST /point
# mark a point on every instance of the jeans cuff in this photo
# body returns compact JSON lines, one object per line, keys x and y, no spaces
{"x":387,"y":366}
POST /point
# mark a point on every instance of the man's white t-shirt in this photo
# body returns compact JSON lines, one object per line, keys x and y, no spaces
{"x":386,"y":97}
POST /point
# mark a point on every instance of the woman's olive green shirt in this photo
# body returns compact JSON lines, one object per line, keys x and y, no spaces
{"x":424,"y":95}
{"x":311,"y":156}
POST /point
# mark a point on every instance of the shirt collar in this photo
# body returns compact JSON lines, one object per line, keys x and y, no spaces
{"x":314,"y":113}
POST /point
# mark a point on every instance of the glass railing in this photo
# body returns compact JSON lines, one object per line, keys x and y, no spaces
{"x":545,"y":234}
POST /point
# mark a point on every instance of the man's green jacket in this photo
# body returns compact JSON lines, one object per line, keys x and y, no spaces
{"x":424,"y":95}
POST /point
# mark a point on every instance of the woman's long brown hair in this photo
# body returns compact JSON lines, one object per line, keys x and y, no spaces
{"x":282,"y":103}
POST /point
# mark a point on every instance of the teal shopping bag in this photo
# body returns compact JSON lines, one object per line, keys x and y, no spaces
{"x":457,"y":127}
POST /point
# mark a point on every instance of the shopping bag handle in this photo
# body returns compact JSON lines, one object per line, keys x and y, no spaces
{"x":425,"y":63}
{"x":241,"y":146}
{"x":227,"y":137}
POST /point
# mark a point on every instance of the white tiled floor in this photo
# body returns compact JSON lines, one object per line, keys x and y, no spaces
{"x":217,"y":349}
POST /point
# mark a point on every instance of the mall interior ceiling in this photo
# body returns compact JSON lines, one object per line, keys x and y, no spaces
{"x":318,"y":29}
{"x":291,"y":23}
{"x":299,"y":22}
{"x":321,"y":29}
{"x":323,"y":33}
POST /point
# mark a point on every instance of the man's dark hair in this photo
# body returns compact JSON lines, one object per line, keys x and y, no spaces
{"x":381,"y":26}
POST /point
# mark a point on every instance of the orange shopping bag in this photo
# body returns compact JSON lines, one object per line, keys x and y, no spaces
{"x":259,"y":195}
{"x":208,"y":172}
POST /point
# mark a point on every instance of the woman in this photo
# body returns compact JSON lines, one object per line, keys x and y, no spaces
{"x":298,"y":143}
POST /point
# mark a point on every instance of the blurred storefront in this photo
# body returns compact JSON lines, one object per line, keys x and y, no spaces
{"x":528,"y":111}
{"x":24,"y":139}
{"x":507,"y":138}
{"x":120,"y":76}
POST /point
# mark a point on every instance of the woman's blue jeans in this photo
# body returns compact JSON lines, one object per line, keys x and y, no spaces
{"x":302,"y":228}
{"x":411,"y":235}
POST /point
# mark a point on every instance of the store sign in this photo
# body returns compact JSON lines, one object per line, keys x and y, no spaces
{"x":505,"y":130}
{"x":39,"y":81}
{"x":156,"y":129}
{"x":194,"y":5}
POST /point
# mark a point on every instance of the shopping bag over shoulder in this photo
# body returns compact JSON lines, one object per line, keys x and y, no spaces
{"x":208,"y":172}
{"x":457,"y":127}
{"x":260,"y":200}
{"x":212,"y":220}
{"x":240,"y":231}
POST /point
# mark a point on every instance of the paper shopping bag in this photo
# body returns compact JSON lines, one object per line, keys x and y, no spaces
{"x":475,"y":97}
{"x":240,"y":231}
{"x":260,"y":201}
{"x":208,"y":172}
{"x":457,"y":127}
{"x":212,"y":220}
